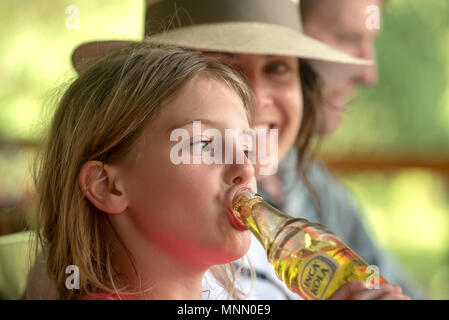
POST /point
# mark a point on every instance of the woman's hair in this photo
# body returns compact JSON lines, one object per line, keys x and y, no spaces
{"x":100,"y":117}
{"x":312,"y":108}
{"x":311,"y":119}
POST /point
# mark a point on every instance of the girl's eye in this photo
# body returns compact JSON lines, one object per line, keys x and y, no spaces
{"x":200,"y":144}
{"x":249,"y":153}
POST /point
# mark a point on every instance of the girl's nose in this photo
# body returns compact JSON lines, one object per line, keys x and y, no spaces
{"x":242,"y":173}
{"x":239,"y":172}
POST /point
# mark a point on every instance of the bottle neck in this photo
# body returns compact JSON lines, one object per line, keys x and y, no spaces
{"x":262,"y":219}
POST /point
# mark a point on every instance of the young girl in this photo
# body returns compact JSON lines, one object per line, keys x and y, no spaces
{"x":113,"y":204}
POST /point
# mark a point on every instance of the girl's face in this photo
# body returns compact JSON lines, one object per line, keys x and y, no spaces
{"x":184,"y":209}
{"x":277,"y":86}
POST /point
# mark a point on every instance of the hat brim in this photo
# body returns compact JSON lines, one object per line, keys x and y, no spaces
{"x":241,"y":37}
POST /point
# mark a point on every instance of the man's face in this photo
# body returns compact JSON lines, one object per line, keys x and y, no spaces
{"x":342,"y":24}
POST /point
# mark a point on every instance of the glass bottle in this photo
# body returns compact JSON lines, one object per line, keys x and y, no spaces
{"x":312,"y":261}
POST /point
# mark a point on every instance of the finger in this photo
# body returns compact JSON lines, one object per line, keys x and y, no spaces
{"x":394,"y":288}
{"x":347,"y":290}
{"x":369,"y":294}
{"x":397,"y":288}
{"x":394,"y":296}
{"x":372,"y":293}
{"x":386,"y":292}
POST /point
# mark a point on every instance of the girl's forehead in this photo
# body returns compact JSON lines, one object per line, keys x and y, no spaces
{"x":207,"y":99}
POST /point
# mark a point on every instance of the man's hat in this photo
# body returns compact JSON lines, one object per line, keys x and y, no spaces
{"x":269,"y":27}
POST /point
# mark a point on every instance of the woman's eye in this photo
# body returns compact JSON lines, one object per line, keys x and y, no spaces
{"x":277,"y":68}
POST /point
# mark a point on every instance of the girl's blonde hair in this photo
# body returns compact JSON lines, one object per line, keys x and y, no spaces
{"x":100,"y":117}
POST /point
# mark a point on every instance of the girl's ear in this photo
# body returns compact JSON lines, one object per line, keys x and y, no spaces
{"x":100,"y":185}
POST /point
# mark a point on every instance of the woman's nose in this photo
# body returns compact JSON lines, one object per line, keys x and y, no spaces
{"x":261,"y":88}
{"x":263,"y":99}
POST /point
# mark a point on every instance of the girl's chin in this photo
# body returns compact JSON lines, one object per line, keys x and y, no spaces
{"x":239,"y":248}
{"x":244,"y":244}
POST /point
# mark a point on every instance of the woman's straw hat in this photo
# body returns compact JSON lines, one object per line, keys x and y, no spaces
{"x":269,"y":27}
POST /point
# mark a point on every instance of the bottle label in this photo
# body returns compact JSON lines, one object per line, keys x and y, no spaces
{"x":316,"y":275}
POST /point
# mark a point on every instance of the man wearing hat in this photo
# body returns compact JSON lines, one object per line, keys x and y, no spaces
{"x":264,"y":40}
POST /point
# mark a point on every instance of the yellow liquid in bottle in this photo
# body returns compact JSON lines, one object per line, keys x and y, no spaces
{"x":318,"y":274}
{"x":242,"y":209}
{"x":309,"y":259}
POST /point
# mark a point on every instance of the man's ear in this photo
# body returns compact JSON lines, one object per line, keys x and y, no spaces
{"x":99,"y":183}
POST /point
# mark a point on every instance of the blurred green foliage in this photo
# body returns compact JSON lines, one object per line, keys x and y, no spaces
{"x":408,"y":215}
{"x":408,"y":112}
{"x":37,"y":39}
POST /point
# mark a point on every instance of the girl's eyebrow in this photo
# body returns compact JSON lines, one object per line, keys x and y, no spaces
{"x":208,"y":122}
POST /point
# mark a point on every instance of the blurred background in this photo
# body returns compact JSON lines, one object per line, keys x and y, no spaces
{"x":392,"y":150}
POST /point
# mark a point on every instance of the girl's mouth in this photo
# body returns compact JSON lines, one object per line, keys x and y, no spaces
{"x":236,"y":223}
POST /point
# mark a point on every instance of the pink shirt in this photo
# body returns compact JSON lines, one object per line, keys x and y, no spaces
{"x":107,"y":296}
